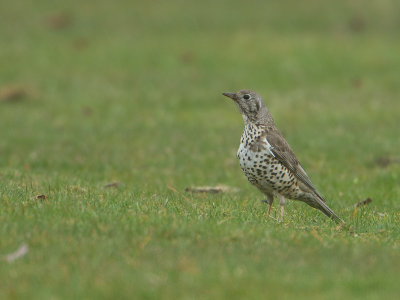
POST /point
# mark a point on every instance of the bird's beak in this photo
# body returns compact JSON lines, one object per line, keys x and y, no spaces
{"x":230,"y":95}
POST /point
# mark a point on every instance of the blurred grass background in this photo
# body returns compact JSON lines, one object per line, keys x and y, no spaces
{"x":97,"y":92}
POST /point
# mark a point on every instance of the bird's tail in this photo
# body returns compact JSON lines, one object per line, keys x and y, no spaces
{"x":322,"y":206}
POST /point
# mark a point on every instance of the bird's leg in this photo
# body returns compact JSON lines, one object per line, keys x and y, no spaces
{"x":282,"y":201}
{"x":270,"y":200}
{"x":269,"y":209}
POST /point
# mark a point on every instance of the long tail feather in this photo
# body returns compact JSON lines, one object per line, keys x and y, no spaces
{"x":322,"y":206}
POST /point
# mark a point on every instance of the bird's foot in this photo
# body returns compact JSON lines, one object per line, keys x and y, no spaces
{"x":275,"y":219}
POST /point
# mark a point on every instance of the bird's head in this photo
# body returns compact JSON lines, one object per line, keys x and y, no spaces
{"x":251,"y":106}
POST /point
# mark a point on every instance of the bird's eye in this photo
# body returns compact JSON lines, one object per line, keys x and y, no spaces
{"x":246,"y":97}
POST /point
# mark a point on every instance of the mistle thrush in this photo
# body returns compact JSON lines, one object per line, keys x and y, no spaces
{"x":267,"y":159}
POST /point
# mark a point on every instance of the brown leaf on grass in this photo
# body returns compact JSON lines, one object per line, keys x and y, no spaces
{"x":364,"y":202}
{"x":385,"y":161}
{"x":210,"y":189}
{"x":359,"y":204}
{"x":58,"y":20}
{"x":12,"y":94}
{"x":41,"y":197}
{"x":21,"y":251}
{"x":114,"y":184}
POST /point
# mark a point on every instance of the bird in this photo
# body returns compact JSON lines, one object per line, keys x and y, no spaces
{"x":268,"y":161}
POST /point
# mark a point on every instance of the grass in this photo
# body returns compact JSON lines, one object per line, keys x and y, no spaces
{"x":131,"y":93}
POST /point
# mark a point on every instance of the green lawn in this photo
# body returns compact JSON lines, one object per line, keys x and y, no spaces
{"x":98,"y":92}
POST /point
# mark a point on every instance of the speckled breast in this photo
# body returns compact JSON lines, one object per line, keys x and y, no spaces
{"x":264,"y":171}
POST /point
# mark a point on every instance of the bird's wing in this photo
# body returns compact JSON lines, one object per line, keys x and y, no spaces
{"x":282,"y":151}
{"x":273,"y":141}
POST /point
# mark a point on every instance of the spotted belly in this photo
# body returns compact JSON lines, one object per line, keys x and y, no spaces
{"x":264,"y":171}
